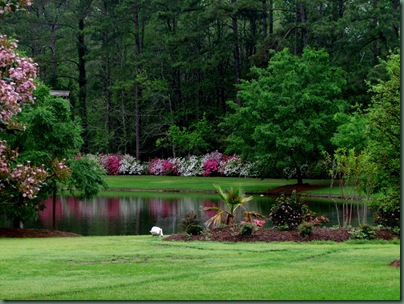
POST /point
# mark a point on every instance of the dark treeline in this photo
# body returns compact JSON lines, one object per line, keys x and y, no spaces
{"x":135,"y":68}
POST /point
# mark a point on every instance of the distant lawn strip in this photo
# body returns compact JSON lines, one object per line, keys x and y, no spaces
{"x":147,"y":268}
{"x":197,"y":184}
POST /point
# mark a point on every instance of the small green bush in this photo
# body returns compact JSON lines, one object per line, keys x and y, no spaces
{"x":305,"y":229}
{"x":387,"y":210}
{"x":247,"y":229}
{"x":189,"y":219}
{"x":289,"y":211}
{"x":364,"y":232}
{"x":194,"y":229}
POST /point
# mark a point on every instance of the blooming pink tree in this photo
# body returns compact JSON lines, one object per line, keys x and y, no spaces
{"x":19,"y":183}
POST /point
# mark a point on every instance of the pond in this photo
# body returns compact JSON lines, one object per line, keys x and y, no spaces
{"x":135,"y":213}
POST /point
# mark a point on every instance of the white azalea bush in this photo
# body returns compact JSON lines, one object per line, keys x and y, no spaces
{"x":130,"y":165}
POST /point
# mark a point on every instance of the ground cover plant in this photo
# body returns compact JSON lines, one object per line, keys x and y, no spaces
{"x":150,"y":268}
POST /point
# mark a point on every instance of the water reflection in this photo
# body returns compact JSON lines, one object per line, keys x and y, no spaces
{"x":136,"y":213}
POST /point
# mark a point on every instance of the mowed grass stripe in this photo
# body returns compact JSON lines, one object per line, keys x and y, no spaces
{"x":147,"y":268}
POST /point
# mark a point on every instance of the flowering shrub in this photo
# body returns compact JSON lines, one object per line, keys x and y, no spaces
{"x":130,"y":165}
{"x":190,"y":166}
{"x":320,"y":221}
{"x":289,"y":212}
{"x":211,"y":164}
{"x":156,"y":166}
{"x":170,"y":167}
{"x":112,"y":164}
{"x":17,"y":76}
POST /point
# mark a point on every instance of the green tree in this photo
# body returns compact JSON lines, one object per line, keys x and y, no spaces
{"x":286,"y":117}
{"x":52,"y":140}
{"x":383,"y":124}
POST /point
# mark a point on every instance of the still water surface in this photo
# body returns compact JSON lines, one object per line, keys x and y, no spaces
{"x":136,"y":213}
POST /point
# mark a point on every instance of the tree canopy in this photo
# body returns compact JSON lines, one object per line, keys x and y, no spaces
{"x":286,"y":113}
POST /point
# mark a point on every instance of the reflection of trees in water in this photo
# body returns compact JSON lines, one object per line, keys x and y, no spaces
{"x":135,"y":215}
{"x":351,"y":213}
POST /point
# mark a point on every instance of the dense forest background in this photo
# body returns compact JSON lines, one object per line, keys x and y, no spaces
{"x":142,"y":73}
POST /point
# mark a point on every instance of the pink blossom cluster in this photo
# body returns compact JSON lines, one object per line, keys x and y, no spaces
{"x":17,"y":75}
{"x":60,"y":169}
{"x":9,"y":6}
{"x":159,"y":166}
{"x":27,"y":179}
{"x":156,"y":166}
{"x":211,"y":164}
{"x":255,"y":222}
{"x":113,"y":164}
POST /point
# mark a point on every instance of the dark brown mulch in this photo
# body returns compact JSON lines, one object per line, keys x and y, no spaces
{"x":395,"y":263}
{"x":272,"y":235}
{"x":287,"y":189}
{"x":33,"y":233}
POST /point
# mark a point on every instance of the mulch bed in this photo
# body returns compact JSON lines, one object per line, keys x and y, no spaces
{"x":33,"y":233}
{"x":287,"y":189}
{"x":272,"y":235}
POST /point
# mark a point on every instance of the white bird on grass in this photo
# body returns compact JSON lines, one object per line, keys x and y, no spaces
{"x":156,"y":231}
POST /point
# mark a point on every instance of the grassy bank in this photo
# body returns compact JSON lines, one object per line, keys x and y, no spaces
{"x":198,"y":183}
{"x":147,"y":268}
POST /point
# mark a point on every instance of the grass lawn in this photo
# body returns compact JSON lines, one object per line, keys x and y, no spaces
{"x":198,"y":183}
{"x":147,"y":268}
{"x":205,"y":184}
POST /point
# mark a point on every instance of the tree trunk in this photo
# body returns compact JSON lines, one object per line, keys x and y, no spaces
{"x":264,"y":19}
{"x":82,"y":81}
{"x":303,"y":20}
{"x":236,"y":54}
{"x":54,"y":207}
{"x":299,"y":175}
{"x":138,"y":89}
{"x":271,"y":17}
{"x":17,"y":223}
{"x":107,"y":75}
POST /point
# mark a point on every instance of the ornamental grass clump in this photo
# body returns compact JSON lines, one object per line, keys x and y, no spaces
{"x":289,"y":212}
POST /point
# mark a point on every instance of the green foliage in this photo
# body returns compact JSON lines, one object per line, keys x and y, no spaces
{"x":383,"y":125}
{"x":350,"y":132}
{"x":247,"y":229}
{"x":87,"y":176}
{"x":196,"y":139}
{"x":233,"y":198}
{"x":289,"y":212}
{"x":194,"y":229}
{"x":387,"y":210}
{"x":286,"y":113}
{"x":352,"y":170}
{"x":189,"y":219}
{"x":364,"y":232}
{"x":305,"y":228}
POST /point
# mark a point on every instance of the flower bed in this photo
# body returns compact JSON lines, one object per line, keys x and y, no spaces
{"x":211,"y":164}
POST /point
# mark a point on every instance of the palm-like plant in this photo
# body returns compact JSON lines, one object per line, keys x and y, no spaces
{"x":233,"y":199}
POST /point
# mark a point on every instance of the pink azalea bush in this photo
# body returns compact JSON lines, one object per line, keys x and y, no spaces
{"x":113,"y":164}
{"x":211,"y":164}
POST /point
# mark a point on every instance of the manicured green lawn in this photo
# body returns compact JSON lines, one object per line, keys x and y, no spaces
{"x":198,"y":183}
{"x":147,"y":268}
